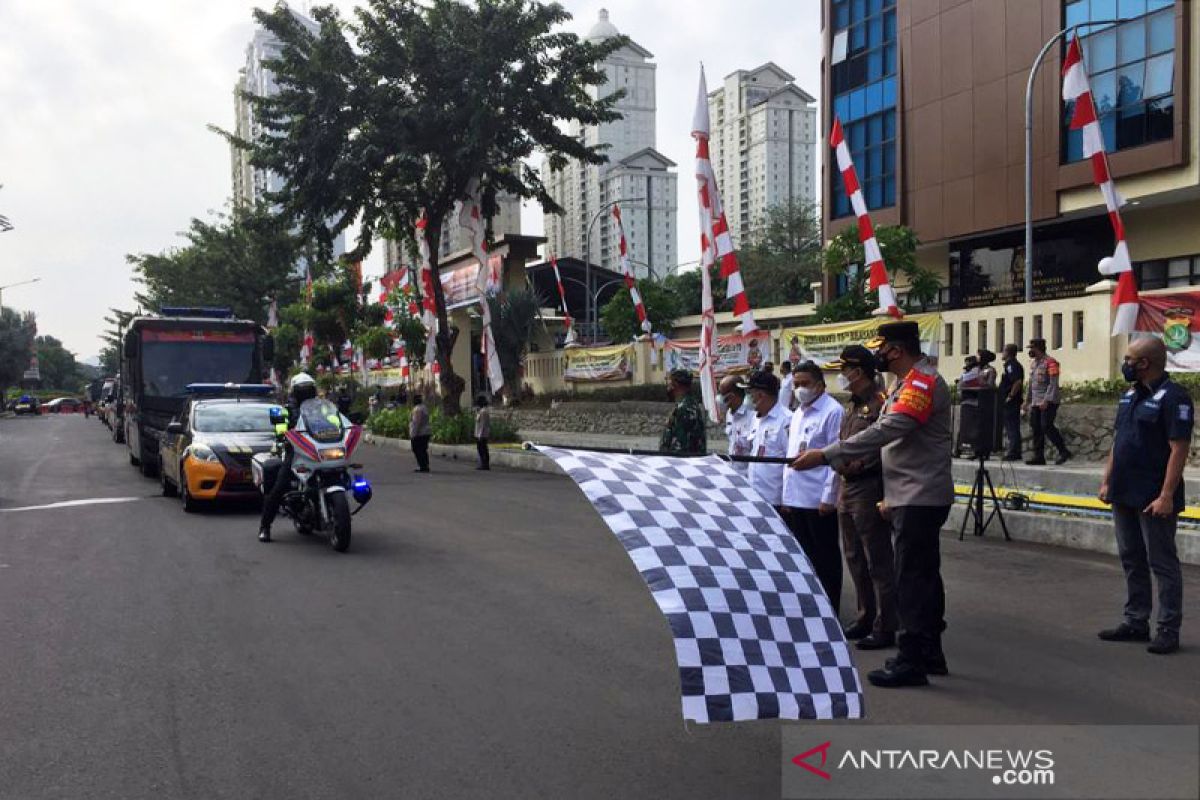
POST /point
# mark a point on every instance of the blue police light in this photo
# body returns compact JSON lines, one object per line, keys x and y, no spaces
{"x":361,"y":489}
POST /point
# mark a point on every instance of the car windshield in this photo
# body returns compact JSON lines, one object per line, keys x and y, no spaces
{"x":321,"y":420}
{"x":233,"y":418}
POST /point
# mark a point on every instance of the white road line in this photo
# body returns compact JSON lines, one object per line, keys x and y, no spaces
{"x":71,"y":503}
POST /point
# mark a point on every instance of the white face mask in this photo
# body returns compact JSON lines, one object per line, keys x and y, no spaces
{"x":843,"y":382}
{"x":806,"y":394}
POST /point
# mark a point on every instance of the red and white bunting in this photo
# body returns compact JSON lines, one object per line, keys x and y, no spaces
{"x":715,"y":242}
{"x":562,"y":294}
{"x":1076,"y":89}
{"x":428,"y":300}
{"x":627,"y":271}
{"x":487,"y":281}
{"x":306,"y":346}
{"x":877,"y":277}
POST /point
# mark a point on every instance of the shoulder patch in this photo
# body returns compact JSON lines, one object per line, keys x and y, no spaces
{"x":1052,"y":368}
{"x":1185,"y":413}
{"x":915,"y":398}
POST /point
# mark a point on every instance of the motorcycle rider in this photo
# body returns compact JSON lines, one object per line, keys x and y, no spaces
{"x":302,"y":387}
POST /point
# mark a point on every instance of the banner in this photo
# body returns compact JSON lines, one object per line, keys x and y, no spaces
{"x":459,"y":285}
{"x":1174,"y":318}
{"x":821,"y":343}
{"x":755,"y":636}
{"x":595,"y":364}
{"x":734,"y":353}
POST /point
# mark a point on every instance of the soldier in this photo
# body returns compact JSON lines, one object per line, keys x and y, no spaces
{"x":1041,"y":403}
{"x":866,"y":535}
{"x":912,"y":436}
{"x":684,"y":432}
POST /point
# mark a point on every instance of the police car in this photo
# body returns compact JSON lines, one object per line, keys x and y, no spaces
{"x":206,"y":450}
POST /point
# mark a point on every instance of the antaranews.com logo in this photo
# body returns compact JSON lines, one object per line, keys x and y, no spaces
{"x":1005,"y":767}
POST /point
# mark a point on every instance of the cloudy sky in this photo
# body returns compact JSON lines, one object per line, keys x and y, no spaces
{"x":104,"y":150}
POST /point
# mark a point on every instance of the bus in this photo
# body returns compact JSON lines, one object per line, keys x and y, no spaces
{"x":162,"y":354}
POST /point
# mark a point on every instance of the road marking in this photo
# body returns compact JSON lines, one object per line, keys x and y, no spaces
{"x":72,"y":503}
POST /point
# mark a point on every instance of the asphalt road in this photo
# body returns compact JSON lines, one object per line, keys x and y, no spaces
{"x":485,"y":637}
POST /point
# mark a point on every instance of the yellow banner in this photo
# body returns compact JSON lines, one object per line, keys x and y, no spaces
{"x":592,"y":364}
{"x":822,"y":343}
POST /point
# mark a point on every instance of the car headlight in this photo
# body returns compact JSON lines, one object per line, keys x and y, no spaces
{"x":333,"y":453}
{"x":202,"y":452}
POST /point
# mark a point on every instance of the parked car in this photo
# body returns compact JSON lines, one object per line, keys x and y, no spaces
{"x":27,"y":404}
{"x":62,"y":405}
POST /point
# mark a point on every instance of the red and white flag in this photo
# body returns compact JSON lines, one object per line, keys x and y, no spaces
{"x":306,"y":346}
{"x":562,"y":294}
{"x":627,"y":271}
{"x":470,"y":216}
{"x":877,"y":277}
{"x":428,"y":300}
{"x":715,"y":241}
{"x":1084,"y":118}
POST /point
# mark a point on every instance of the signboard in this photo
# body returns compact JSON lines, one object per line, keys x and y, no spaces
{"x":596,"y":364}
{"x":734,"y":354}
{"x":1174,"y":318}
{"x":197,"y":335}
{"x":459,"y":284}
{"x":821,"y":343}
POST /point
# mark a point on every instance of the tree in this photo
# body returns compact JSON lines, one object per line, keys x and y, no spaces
{"x":110,"y":355}
{"x":432,"y":95}
{"x":337,"y":314}
{"x":16,"y":343}
{"x":783,"y":258}
{"x":620,"y":318}
{"x":57,"y":364}
{"x":513,"y":317}
{"x":898,"y":244}
{"x":407,"y":324}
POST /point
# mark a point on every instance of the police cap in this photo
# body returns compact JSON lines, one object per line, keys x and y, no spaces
{"x":763,"y":381}
{"x":854,"y":356}
{"x":681,"y":376}
{"x":900,"y":332}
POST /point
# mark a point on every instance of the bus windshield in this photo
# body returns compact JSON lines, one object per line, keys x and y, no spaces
{"x":168,"y":367}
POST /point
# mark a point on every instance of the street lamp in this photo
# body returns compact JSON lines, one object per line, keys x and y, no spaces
{"x":1037,"y":64}
{"x":587,"y":249}
{"x":11,"y":285}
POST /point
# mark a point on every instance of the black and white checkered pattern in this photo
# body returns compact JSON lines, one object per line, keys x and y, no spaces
{"x":755,"y":636}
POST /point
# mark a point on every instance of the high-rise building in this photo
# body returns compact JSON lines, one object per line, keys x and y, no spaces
{"x":763,"y":146}
{"x":635,"y":173}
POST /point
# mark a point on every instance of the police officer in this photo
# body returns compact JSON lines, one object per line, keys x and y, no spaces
{"x":1144,"y":482}
{"x":1012,"y":386}
{"x":739,"y":420}
{"x":866,"y":535}
{"x":302,"y":387}
{"x":912,"y":437}
{"x":1041,"y":403}
{"x":684,"y":432}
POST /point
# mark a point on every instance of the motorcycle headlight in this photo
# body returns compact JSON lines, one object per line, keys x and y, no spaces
{"x":202,"y":452}
{"x":333,"y":453}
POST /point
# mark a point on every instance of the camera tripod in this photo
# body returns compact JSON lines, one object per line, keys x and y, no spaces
{"x":976,"y":500}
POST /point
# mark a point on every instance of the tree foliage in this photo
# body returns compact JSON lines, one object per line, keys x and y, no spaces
{"x":16,"y":342}
{"x":513,"y":317}
{"x":407,"y":323}
{"x":620,"y":318}
{"x":57,"y":365}
{"x":337,"y":314}
{"x":898,"y":245}
{"x":429,"y":96}
{"x":110,"y":356}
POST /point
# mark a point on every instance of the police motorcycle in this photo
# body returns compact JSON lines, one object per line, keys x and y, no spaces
{"x":322,"y":475}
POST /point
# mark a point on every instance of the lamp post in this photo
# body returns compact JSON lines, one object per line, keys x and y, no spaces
{"x":587,"y":250}
{"x":11,"y":285}
{"x":1037,"y":64}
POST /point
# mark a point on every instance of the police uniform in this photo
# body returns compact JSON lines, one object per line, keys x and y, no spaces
{"x":912,"y":439}
{"x":684,"y":432}
{"x":1043,"y":388}
{"x":866,"y":535}
{"x":1014,"y":376}
{"x":1149,"y":418}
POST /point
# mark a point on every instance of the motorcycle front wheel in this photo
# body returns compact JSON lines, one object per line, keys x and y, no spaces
{"x":339,"y":515}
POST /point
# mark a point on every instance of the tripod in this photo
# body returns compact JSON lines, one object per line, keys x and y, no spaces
{"x":975,"y":503}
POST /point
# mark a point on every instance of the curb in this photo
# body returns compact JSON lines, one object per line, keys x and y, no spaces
{"x":530,"y":461}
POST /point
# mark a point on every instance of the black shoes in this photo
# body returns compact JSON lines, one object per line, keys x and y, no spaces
{"x":485,"y":469}
{"x":420,"y":470}
{"x":1036,"y":462}
{"x":896,"y":675}
{"x":264,"y":534}
{"x":1164,"y":643}
{"x":1126,"y":633}
{"x":857,"y":631}
{"x":934,"y":665}
{"x":877,"y":641}
{"x":1063,"y":458}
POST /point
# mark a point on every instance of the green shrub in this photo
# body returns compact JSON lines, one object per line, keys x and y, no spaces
{"x":457,"y":429}
{"x":656,"y":392}
{"x":504,"y":430}
{"x":460,"y":429}
{"x":391,"y":422}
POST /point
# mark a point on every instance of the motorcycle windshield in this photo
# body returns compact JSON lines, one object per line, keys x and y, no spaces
{"x":321,"y":420}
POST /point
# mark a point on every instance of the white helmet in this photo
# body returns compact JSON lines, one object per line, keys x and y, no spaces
{"x":301,"y":379}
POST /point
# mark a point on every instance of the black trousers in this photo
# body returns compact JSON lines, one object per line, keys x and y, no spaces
{"x":1042,"y":425}
{"x":818,"y":536}
{"x":420,"y":448}
{"x":920,"y":595}
{"x":1012,"y":428}
{"x":274,"y":497}
{"x":481,"y":446}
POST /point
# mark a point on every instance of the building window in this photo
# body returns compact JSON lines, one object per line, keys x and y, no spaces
{"x":1056,"y":331}
{"x":1000,"y":336}
{"x":1077,"y":329}
{"x":1037,"y":327}
{"x":1019,"y":332}
{"x":981,"y":336}
{"x":1131,"y":67}
{"x":966,"y":338}
{"x":872,"y":143}
{"x":1168,"y":273}
{"x":950,"y":339}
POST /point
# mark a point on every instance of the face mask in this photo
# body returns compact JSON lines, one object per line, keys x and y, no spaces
{"x":881,"y":361}
{"x":843,"y":382}
{"x":721,"y":401}
{"x":805,"y":394}
{"x":1129,"y":372}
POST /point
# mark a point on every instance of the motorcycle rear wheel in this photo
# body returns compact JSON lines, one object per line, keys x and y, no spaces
{"x":339,"y":514}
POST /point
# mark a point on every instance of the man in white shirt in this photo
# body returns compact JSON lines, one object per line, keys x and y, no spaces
{"x":787,"y":399}
{"x":739,"y":420}
{"x":770,"y":437}
{"x":810,"y":498}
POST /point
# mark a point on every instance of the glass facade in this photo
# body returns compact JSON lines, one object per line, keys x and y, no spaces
{"x":864,"y":87}
{"x":1131,"y":67}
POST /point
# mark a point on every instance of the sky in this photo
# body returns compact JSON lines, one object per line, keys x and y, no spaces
{"x":104,"y":149}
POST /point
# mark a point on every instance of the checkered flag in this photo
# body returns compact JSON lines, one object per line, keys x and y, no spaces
{"x":755,"y":636}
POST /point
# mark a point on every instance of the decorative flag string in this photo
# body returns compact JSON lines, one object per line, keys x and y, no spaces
{"x":1084,"y":118}
{"x":627,"y":271}
{"x":470,"y":216}
{"x":428,"y":300}
{"x":877,"y":277}
{"x":306,"y":348}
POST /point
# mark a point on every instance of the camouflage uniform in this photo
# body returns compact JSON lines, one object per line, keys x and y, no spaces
{"x":685,"y":431}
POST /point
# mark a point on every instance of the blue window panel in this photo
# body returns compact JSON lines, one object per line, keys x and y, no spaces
{"x":1102,"y":52}
{"x":1104,"y":92}
{"x":1131,"y":42}
{"x":1155,"y":5}
{"x":1129,"y":83}
{"x":1160,"y":75}
{"x":1104,"y":9}
{"x":889,"y":125}
{"x":857,"y":104}
{"x":1160,"y":119}
{"x":1077,"y":13}
{"x":875,"y":32}
{"x":875,"y":65}
{"x":858,"y":10}
{"x":858,"y":38}
{"x":889,"y":26}
{"x":858,"y":137}
{"x":889,"y":159}
{"x":874,"y":98}
{"x":1129,"y":9}
{"x":1108,"y":127}
{"x":841,"y":107}
{"x":889,"y":191}
{"x":875,"y":194}
{"x":875,"y":162}
{"x":875,"y":129}
{"x":874,"y":6}
{"x":1162,"y":32}
{"x":1074,"y":146}
{"x":889,"y":92}
{"x":841,"y":15}
{"x":889,"y":59}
